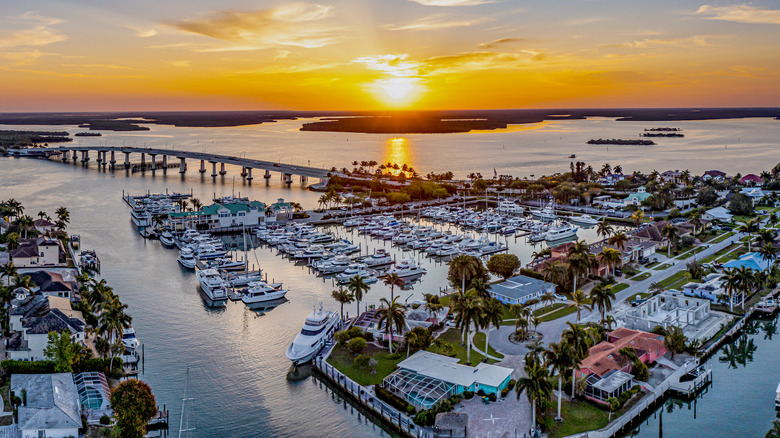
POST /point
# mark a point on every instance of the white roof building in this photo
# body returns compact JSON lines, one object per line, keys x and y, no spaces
{"x":52,"y":407}
{"x":718,"y":213}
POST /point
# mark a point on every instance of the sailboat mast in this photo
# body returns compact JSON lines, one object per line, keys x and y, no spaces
{"x":184,"y":404}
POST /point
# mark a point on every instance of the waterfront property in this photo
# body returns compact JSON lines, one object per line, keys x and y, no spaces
{"x":33,"y":317}
{"x":234,"y":212}
{"x":637,"y":197}
{"x":605,"y":363}
{"x":721,"y":214}
{"x":426,"y":378}
{"x":41,"y":251}
{"x":711,"y":288}
{"x":94,"y":395}
{"x":667,"y":309}
{"x":51,"y":405}
{"x":520,"y":289}
{"x":751,"y":260}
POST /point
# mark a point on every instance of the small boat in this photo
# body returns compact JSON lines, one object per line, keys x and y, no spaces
{"x":407,"y":268}
{"x":260,"y":291}
{"x":572,"y":156}
{"x":166,"y":238}
{"x":379,"y":258}
{"x":767,"y":305}
{"x":546,"y":214}
{"x":316,"y":332}
{"x":226,"y":264}
{"x":358,"y":269}
{"x":187,"y":258}
{"x":129,"y":339}
{"x":585,"y":220}
{"x":212,"y":284}
{"x":242,"y":278}
{"x":561,"y":232}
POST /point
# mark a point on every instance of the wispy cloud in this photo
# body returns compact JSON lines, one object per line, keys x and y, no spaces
{"x":294,"y":24}
{"x":403,"y":66}
{"x":104,"y":66}
{"x":40,"y":34}
{"x":743,"y":13}
{"x":696,"y":40}
{"x":143,"y":33}
{"x":500,"y":42}
{"x":452,"y":2}
{"x":438,"y":22}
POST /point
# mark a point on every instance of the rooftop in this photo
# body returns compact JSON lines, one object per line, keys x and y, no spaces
{"x":519,"y":286}
{"x":52,"y":401}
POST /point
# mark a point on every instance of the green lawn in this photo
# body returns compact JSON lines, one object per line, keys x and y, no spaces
{"x":662,"y":267}
{"x":453,"y":337}
{"x":638,"y":296}
{"x":642,"y":276}
{"x":343,"y":361}
{"x":479,"y":341}
{"x":620,"y":286}
{"x":722,"y":237}
{"x":509,"y":319}
{"x":695,"y":250}
{"x":721,"y":253}
{"x":560,"y":313}
{"x":673,"y":279}
{"x":577,"y":417}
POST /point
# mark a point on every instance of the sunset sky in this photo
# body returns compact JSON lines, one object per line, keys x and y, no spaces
{"x":86,"y":55}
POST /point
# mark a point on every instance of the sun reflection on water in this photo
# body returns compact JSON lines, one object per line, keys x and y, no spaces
{"x":398,"y":151}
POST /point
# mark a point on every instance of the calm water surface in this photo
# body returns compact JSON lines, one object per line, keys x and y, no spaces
{"x":236,"y":355}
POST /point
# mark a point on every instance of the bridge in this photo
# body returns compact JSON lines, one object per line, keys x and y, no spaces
{"x":246,"y":164}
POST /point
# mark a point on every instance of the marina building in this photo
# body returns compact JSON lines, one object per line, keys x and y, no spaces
{"x":235,"y":213}
{"x":426,"y":378}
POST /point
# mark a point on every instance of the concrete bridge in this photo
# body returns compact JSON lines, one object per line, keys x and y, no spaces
{"x":106,"y":157}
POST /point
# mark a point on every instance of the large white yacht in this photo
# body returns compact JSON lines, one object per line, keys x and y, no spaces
{"x":316,"y":331}
{"x":379,"y":258}
{"x":546,"y":214}
{"x":509,"y":207}
{"x":129,"y":339}
{"x":358,"y":269}
{"x":187,"y":258}
{"x":407,"y":268}
{"x":260,"y":292}
{"x":166,"y":238}
{"x":212,"y":284}
{"x":561,"y":232}
{"x":585,"y":220}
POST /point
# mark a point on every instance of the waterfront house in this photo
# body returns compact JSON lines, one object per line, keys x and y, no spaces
{"x":637,"y":197}
{"x":751,"y":260}
{"x":59,"y":284}
{"x":667,"y":309}
{"x":520,"y":289}
{"x":33,"y":318}
{"x":41,"y":251}
{"x":715,"y":175}
{"x":95,"y":396}
{"x":607,"y":201}
{"x":721,"y":214}
{"x":754,"y":193}
{"x":674,"y":176}
{"x":44,"y":227}
{"x":605,"y":364}
{"x":611,"y":179}
{"x":712,"y":289}
{"x":426,"y":378}
{"x":751,"y":179}
{"x":51,"y":406}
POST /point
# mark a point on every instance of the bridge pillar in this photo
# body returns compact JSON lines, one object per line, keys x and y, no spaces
{"x":113,"y":160}
{"x":202,"y":166}
{"x":213,"y":169}
{"x":182,"y":165}
{"x":127,"y":160}
{"x":267,"y":174}
{"x":143,"y":160}
{"x":249,"y":174}
{"x":303,"y":178}
{"x":65,"y":156}
{"x":75,"y":155}
{"x":85,"y":156}
{"x":165,"y":163}
{"x":154,"y":161}
{"x":99,"y":158}
{"x":243,"y":172}
{"x":222,"y":170}
{"x":288,"y":178}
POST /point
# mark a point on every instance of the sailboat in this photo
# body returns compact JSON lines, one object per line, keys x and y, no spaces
{"x":184,"y":426}
{"x":245,"y":277}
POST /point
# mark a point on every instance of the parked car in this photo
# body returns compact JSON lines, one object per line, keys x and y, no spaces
{"x":618,"y":273}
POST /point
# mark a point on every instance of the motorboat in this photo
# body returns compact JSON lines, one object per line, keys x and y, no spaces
{"x":209,"y":252}
{"x":187,"y":258}
{"x":379,"y":258}
{"x":545,"y":214}
{"x":166,"y":238}
{"x":226,"y":264}
{"x":358,"y":269}
{"x":407,"y":268}
{"x":260,"y":291}
{"x":509,"y":207}
{"x":447,"y":250}
{"x":492,"y":247}
{"x":129,"y":340}
{"x":585,"y":220}
{"x":537,"y":236}
{"x":313,"y":252}
{"x":316,"y":332}
{"x":561,"y":232}
{"x":140,"y":216}
{"x":335,"y":265}
{"x":212,"y":284}
{"x":243,"y":278}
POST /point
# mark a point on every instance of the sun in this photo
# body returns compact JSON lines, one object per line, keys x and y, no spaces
{"x":397,"y":92}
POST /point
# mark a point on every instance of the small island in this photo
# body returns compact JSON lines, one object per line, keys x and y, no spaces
{"x":662,"y":134}
{"x":663,"y":129}
{"x":620,"y":141}
{"x":87,"y":134}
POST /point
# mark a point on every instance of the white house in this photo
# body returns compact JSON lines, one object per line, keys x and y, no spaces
{"x":754,"y":193}
{"x":520,"y":289}
{"x":37,"y":252}
{"x":718,"y":214}
{"x":51,"y":406}
{"x":237,"y":212}
{"x":32,"y":321}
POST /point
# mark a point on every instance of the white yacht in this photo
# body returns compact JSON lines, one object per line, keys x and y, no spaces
{"x":316,"y":332}
{"x":243,"y":278}
{"x":313,"y":252}
{"x":509,"y":207}
{"x":213,"y":285}
{"x":561,"y":232}
{"x":337,"y":264}
{"x":546,"y":214}
{"x":379,"y":258}
{"x":447,"y":250}
{"x":141,"y":217}
{"x":129,"y":339}
{"x":187,"y":258}
{"x":358,"y":269}
{"x":585,"y":220}
{"x":210,"y":252}
{"x":407,"y":268}
{"x":226,"y":264}
{"x":166,"y":238}
{"x":260,"y":291}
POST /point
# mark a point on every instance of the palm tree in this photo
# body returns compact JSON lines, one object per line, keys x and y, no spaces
{"x":619,"y":240}
{"x":638,"y":216}
{"x":610,"y":257}
{"x":560,"y":357}
{"x":579,"y":260}
{"x":695,"y":219}
{"x":464,"y":266}
{"x":358,"y":287}
{"x":604,"y":229}
{"x":671,"y":233}
{"x":750,"y":227}
{"x":492,"y":311}
{"x":548,"y":298}
{"x":432,"y":303}
{"x":577,"y":338}
{"x":196,"y":204}
{"x":747,"y":281}
{"x":63,"y":214}
{"x":8,"y":270}
{"x":769,"y":252}
{"x":541,"y":254}
{"x":467,"y":312}
{"x":579,"y":301}
{"x":113,"y":319}
{"x":535,"y":384}
{"x":774,"y":432}
{"x":602,"y":296}
{"x":391,"y":313}
{"x":773,"y":220}
{"x":343,"y":296}
{"x":25,"y":224}
{"x":731,"y":285}
{"x":393,"y":280}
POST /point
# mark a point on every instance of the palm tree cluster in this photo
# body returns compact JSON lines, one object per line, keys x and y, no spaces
{"x":742,"y":281}
{"x":105,"y":312}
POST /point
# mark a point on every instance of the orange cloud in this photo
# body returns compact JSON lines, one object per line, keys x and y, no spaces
{"x":743,"y":13}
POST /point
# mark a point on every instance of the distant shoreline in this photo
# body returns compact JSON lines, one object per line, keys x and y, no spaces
{"x":377,"y":122}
